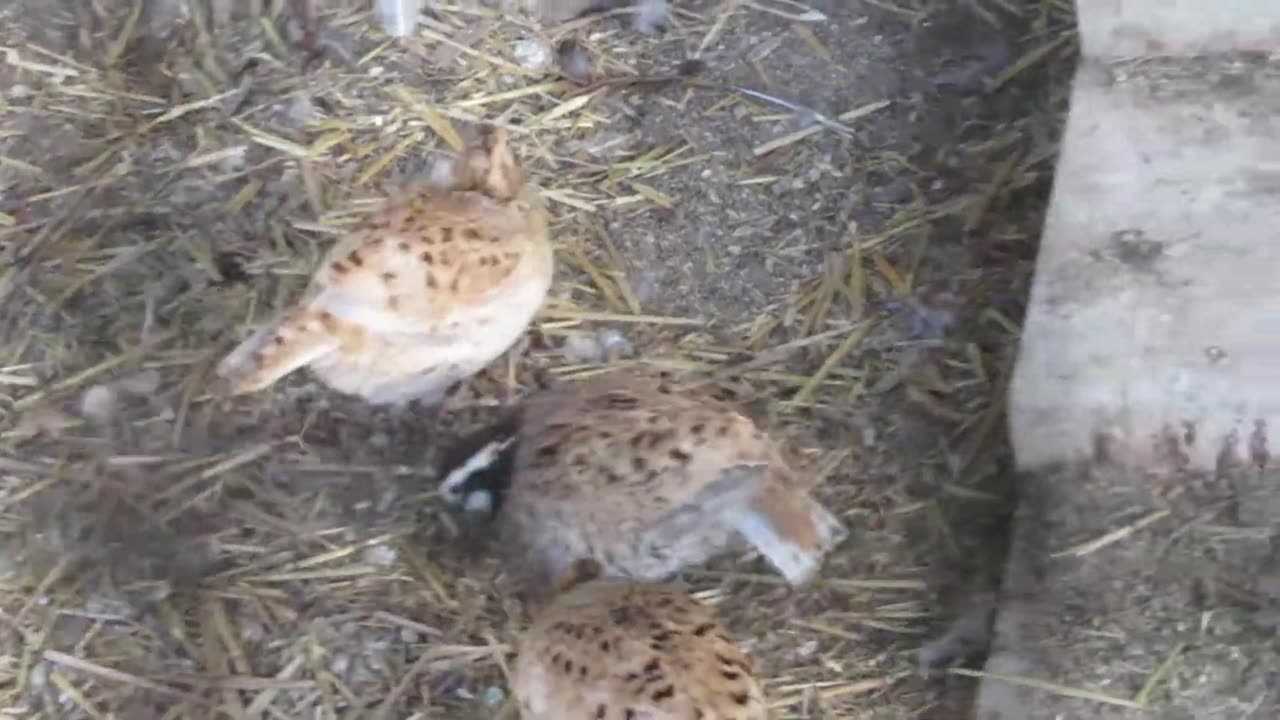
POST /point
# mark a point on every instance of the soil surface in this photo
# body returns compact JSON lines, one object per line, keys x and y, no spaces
{"x":1130,"y":589}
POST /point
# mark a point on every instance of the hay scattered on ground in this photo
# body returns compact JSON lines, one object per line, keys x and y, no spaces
{"x":166,"y":182}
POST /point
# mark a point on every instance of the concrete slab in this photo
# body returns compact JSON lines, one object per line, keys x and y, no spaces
{"x":1113,"y":29}
{"x":1144,"y":407}
{"x":1153,"y":332}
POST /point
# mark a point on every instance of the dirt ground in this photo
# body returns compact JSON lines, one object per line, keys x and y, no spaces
{"x":168,"y":553}
{"x":1132,"y":589}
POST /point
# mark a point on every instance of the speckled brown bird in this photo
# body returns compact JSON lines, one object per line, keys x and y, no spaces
{"x":612,"y":649}
{"x":422,"y":295}
{"x":643,"y":477}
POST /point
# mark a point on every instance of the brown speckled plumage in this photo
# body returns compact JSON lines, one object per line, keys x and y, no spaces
{"x":610,"y":649}
{"x":420,"y":296}
{"x":647,"y":480}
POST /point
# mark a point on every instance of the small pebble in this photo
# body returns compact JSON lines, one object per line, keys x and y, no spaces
{"x":99,"y":404}
{"x":807,"y":650}
{"x":380,"y":555}
{"x":398,"y":18}
{"x":301,"y":110}
{"x":615,"y":344}
{"x":38,"y":678}
{"x":340,"y":664}
{"x":533,"y":54}
{"x":493,"y":697}
{"x":582,"y":347}
{"x":869,"y":436}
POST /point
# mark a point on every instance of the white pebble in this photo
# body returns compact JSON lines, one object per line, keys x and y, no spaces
{"x":615,"y":344}
{"x":99,"y":404}
{"x":533,"y":54}
{"x":38,"y":678}
{"x":301,"y":110}
{"x":340,"y":664}
{"x":383,"y":555}
{"x":493,"y":697}
{"x":582,"y":348}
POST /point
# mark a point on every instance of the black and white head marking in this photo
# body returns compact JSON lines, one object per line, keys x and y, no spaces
{"x":477,"y":471}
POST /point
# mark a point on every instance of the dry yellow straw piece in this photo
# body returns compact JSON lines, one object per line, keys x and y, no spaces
{"x":1112,"y":537}
{"x":1051,"y":687}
